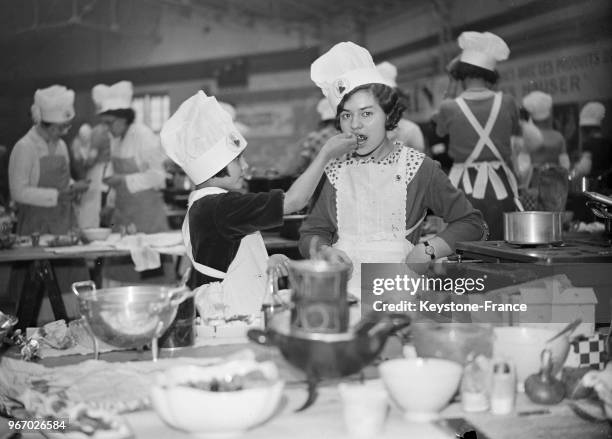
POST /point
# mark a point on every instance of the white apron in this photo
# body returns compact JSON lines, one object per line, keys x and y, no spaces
{"x":485,"y":171}
{"x":243,"y":286}
{"x":371,"y":210}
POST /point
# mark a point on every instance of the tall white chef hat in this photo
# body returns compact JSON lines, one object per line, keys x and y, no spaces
{"x":112,"y":97}
{"x":343,"y":68}
{"x":53,"y":104}
{"x":592,"y":114}
{"x":388,"y":71}
{"x":482,"y":49}
{"x":538,"y":104}
{"x":325,"y":110}
{"x":201,"y":137}
{"x":231,"y":110}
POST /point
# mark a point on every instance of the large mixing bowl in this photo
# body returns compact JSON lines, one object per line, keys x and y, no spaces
{"x":128,"y":317}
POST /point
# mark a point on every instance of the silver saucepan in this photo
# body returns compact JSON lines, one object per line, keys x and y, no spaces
{"x":533,"y":227}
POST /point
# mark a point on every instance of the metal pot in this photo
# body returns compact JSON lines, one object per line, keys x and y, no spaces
{"x":533,"y":227}
{"x":321,"y":355}
{"x":128,"y":317}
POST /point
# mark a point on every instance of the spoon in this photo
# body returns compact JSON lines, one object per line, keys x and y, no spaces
{"x":569,"y":328}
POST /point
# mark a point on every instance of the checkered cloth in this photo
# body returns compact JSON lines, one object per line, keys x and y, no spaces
{"x":587,"y":352}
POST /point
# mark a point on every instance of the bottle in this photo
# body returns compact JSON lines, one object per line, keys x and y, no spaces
{"x":503,"y":388}
{"x":271,"y":303}
{"x":474,"y":385}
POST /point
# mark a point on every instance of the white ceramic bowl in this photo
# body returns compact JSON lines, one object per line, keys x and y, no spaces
{"x":523,"y":346}
{"x":96,"y":233}
{"x":421,"y":387}
{"x":215,"y":414}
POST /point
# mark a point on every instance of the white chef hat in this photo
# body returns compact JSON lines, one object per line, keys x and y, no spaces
{"x":85,"y":131}
{"x":592,"y":114}
{"x":231,"y":110}
{"x":482,"y":49}
{"x":388,"y":71}
{"x":53,"y":104}
{"x":112,"y":97}
{"x":343,"y":68}
{"x":325,"y":110}
{"x":201,"y":137}
{"x":538,"y":104}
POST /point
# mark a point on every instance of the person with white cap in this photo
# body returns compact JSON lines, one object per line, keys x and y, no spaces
{"x":39,"y":167}
{"x":314,"y":141}
{"x":137,"y":159}
{"x":550,"y":160}
{"x":373,"y":201}
{"x":596,"y":150}
{"x":222,"y":224}
{"x":407,"y":132}
{"x":481,"y":125}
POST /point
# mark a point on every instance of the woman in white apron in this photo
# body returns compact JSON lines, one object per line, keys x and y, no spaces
{"x":481,"y":125}
{"x":373,"y":201}
{"x":39,"y":169}
{"x":221,"y":228}
{"x":137,"y":158}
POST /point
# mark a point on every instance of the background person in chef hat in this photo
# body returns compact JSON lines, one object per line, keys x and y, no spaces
{"x":596,"y":156}
{"x":481,"y":125}
{"x":311,"y":145}
{"x":137,"y":158}
{"x":39,"y":167}
{"x":550,"y":161}
{"x":221,"y":228}
{"x":373,"y":201}
{"x":407,"y":132}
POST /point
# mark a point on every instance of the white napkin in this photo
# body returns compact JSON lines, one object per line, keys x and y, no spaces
{"x":143,"y":256}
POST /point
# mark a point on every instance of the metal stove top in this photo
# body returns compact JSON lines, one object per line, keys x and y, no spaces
{"x":569,"y":251}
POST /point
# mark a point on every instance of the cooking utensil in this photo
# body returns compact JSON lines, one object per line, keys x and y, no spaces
{"x":601,"y":206}
{"x":325,"y":355}
{"x":569,"y":328}
{"x":533,"y":227}
{"x":128,"y":317}
{"x":543,"y":387}
{"x":319,"y":295}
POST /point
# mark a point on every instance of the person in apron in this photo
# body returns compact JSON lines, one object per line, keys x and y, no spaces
{"x":137,"y":175}
{"x":482,"y":125}
{"x":39,"y":171}
{"x":550,"y":160}
{"x":91,"y":152}
{"x":40,"y":184}
{"x":373,"y":200}
{"x":222,"y":224}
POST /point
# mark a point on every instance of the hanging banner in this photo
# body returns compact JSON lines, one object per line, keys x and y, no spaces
{"x":572,"y":74}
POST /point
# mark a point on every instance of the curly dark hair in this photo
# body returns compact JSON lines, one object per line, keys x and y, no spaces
{"x":387,"y":98}
{"x":122,"y":113}
{"x":462,"y":70}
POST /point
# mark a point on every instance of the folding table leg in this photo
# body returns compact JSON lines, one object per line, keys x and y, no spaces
{"x":55,"y":295}
{"x":30,"y":297}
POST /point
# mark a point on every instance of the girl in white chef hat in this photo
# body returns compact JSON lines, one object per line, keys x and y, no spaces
{"x":373,"y":201}
{"x":596,"y":150}
{"x":550,"y":160}
{"x":39,"y":171}
{"x":481,"y":124}
{"x":221,"y":228}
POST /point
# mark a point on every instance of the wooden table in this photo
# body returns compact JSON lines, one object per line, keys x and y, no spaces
{"x":33,"y":275}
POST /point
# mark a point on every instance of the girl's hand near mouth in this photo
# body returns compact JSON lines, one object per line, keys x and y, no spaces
{"x":338,"y":145}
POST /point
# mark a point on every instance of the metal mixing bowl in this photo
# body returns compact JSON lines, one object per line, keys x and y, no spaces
{"x":128,"y":317}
